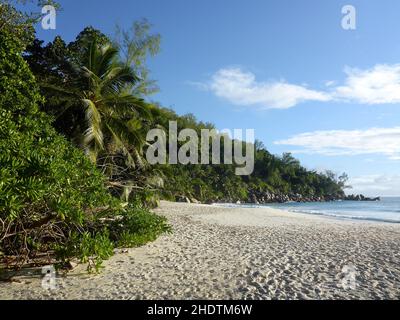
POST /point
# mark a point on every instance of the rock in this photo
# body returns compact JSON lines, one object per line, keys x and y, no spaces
{"x":265,"y":196}
{"x":182,"y":199}
{"x":360,"y":197}
{"x":254,"y":199}
{"x":193,"y":200}
{"x":71,"y":265}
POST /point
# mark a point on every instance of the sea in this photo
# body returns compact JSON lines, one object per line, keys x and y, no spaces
{"x":386,"y":210}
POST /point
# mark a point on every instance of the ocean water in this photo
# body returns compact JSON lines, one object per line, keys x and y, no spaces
{"x":386,"y":210}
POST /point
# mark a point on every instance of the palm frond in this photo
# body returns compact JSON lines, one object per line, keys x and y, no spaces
{"x":122,"y":146}
{"x":105,"y":59}
{"x":117,"y":79}
{"x":59,"y":91}
{"x":90,"y":75}
{"x":93,"y":133}
{"x":130,"y":135}
{"x":126,"y":104}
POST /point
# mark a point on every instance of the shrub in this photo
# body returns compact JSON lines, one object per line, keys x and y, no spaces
{"x":52,"y":199}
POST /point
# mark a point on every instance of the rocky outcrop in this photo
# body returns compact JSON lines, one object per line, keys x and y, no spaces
{"x":259,"y":197}
{"x":263,"y":197}
{"x":360,"y":197}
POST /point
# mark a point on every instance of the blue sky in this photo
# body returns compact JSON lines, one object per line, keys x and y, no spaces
{"x":285,"y":68}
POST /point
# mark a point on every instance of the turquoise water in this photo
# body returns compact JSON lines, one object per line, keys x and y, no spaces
{"x":386,"y":210}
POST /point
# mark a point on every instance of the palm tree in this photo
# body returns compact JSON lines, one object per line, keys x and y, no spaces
{"x":102,"y":90}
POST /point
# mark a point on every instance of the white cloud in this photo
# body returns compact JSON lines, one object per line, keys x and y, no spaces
{"x":385,"y":141}
{"x":241,"y":88}
{"x":330,"y":83}
{"x":373,"y":185}
{"x":378,"y":85}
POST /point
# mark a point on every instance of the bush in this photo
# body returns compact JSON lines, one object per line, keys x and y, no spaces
{"x":52,"y":198}
{"x":137,"y":227}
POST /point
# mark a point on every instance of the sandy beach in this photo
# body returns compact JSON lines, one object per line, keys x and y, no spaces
{"x":239,"y":253}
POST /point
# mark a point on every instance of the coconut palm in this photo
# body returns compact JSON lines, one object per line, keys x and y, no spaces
{"x":102,"y":92}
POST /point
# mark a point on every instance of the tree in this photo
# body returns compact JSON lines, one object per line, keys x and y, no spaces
{"x":53,"y":201}
{"x":342,"y":180}
{"x":135,"y":45}
{"x":289,"y":160}
{"x":47,"y":187}
{"x":16,"y":22}
{"x":57,"y":65}
{"x":101,"y":90}
{"x":93,"y":94}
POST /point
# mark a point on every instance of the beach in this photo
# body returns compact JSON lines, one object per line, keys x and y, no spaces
{"x":218,"y":252}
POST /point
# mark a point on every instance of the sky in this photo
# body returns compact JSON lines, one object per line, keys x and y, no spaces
{"x":287,"y":69}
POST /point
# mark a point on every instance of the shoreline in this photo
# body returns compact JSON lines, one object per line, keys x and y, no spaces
{"x":324,"y":214}
{"x":240,"y":253}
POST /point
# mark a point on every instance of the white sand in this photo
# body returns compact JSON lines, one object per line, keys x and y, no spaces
{"x":238,"y":253}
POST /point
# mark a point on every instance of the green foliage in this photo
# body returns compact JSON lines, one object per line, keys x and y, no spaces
{"x":279,"y":175}
{"x":52,"y":198}
{"x":137,"y":227}
{"x":20,"y":24}
{"x":130,"y":227}
{"x":92,"y":249}
{"x":89,"y":90}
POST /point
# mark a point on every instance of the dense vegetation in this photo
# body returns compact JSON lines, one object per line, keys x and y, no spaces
{"x":53,"y":200}
{"x":73,"y":178}
{"x":275,"y":178}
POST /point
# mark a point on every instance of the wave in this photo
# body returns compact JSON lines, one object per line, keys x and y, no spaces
{"x":346,"y":217}
{"x":342,"y":213}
